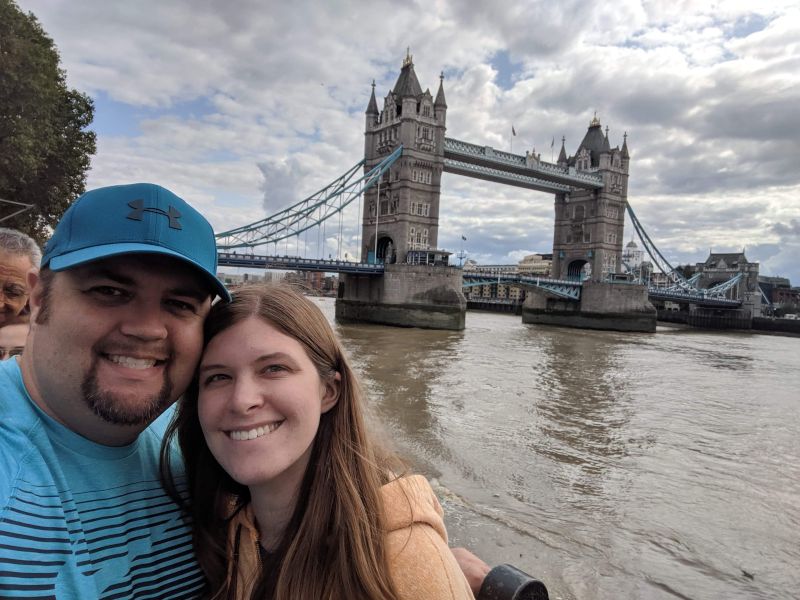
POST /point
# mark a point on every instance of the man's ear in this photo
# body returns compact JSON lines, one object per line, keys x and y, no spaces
{"x":35,"y":296}
{"x":331,"y":396}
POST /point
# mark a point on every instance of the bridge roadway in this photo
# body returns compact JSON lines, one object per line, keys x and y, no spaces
{"x":563,"y":288}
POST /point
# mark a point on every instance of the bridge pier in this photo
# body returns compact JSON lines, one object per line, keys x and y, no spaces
{"x":424,"y":296}
{"x":608,"y":306}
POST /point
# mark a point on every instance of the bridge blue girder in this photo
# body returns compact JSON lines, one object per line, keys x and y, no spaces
{"x":296,"y":263}
{"x":458,"y":167}
{"x":570,"y":290}
{"x":553,"y":178}
{"x":311,"y":211}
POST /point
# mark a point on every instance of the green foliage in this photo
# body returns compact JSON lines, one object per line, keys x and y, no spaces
{"x":45,"y":148}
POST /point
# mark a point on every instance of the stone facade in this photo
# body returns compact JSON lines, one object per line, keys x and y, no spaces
{"x":587,"y":241}
{"x":407,"y":211}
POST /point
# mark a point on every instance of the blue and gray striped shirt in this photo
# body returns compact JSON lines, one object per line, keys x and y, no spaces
{"x":83,"y":520}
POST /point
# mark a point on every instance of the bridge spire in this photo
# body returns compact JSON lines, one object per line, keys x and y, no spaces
{"x":625,"y":145}
{"x":562,"y":156}
{"x":440,"y":101}
{"x":372,"y":108}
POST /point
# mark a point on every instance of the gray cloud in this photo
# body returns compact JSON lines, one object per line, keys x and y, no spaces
{"x":707,"y":93}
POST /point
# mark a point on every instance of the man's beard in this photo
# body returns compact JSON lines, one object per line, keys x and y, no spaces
{"x":112,"y":410}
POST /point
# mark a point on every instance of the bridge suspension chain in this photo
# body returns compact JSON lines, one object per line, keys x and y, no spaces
{"x":310,"y":212}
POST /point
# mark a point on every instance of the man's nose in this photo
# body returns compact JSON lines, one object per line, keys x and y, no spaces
{"x":146,"y":321}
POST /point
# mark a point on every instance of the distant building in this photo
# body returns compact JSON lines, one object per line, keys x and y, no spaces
{"x":535,"y":265}
{"x":632,"y":257}
{"x":720,"y":267}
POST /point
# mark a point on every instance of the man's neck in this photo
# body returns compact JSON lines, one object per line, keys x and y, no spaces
{"x":81,"y":420}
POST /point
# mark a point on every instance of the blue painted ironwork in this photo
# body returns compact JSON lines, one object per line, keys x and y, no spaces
{"x":558,"y":287}
{"x":539,"y":170}
{"x":296,"y":263}
{"x":459,"y":167}
{"x":310,"y":212}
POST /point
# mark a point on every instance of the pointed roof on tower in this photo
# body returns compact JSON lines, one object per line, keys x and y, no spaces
{"x":625,"y":146}
{"x":594,"y":141}
{"x":440,"y":101}
{"x":562,"y":156}
{"x":606,"y":145}
{"x":372,"y":107}
{"x":407,"y":83}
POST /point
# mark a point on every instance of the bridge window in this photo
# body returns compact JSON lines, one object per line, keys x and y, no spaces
{"x":587,"y":237}
{"x":580,"y":213}
{"x":611,"y":238}
{"x":568,"y":238}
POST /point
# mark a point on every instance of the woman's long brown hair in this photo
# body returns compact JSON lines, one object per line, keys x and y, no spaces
{"x":333,"y":547}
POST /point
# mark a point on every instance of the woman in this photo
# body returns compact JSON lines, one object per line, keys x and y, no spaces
{"x":288,"y":497}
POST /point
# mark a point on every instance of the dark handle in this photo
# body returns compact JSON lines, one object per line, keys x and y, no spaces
{"x":505,"y":582}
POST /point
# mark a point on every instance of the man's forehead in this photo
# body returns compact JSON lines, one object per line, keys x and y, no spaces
{"x":143,"y":267}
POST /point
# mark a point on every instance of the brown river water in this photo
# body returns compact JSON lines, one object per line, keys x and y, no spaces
{"x":608,"y":465}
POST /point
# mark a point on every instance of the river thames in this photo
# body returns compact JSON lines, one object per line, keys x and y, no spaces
{"x":609,"y":465}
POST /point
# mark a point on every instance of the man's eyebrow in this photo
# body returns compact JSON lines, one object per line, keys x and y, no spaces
{"x":201,"y":295}
{"x":106,"y":273}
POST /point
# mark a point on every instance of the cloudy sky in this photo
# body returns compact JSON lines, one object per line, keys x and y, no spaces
{"x":245,"y":107}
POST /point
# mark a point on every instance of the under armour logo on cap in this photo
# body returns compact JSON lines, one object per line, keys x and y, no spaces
{"x":137,"y":214}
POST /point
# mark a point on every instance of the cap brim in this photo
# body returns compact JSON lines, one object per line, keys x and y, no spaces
{"x":86,"y":255}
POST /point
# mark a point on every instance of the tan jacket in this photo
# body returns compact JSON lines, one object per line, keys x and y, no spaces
{"x":423,"y":568}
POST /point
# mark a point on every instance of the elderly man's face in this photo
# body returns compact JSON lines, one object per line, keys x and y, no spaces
{"x":13,"y":285}
{"x":12,"y":340}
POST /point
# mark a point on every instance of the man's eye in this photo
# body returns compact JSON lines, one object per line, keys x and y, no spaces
{"x":15,"y":291}
{"x":107,"y":290}
{"x":182,"y":305}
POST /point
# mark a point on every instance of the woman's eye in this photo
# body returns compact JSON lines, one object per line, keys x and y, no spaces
{"x":214,"y":378}
{"x":274,"y":369}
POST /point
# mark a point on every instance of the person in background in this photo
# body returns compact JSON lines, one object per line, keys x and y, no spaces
{"x":18,"y":255}
{"x":288,"y":496}
{"x":12,"y":339}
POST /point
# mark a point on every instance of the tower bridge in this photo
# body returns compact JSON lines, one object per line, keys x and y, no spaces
{"x":401,"y":277}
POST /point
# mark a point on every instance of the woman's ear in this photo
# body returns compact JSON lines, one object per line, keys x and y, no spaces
{"x":331,"y":396}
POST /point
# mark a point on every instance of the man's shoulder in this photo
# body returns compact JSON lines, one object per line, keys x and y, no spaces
{"x":17,"y":423}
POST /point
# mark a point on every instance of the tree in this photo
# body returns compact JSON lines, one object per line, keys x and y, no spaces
{"x":45,"y":147}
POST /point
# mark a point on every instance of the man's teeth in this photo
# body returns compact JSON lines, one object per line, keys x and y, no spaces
{"x":131,"y":362}
{"x":252,"y":434}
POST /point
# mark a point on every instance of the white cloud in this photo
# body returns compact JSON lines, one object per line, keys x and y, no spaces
{"x":707,"y":92}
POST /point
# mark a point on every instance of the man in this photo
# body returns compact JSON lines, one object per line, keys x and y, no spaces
{"x":12,"y":339}
{"x":117,"y":313}
{"x":18,"y":254}
{"x":116,"y":330}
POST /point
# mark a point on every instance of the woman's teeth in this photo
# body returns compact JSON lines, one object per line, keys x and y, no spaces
{"x":251,"y":434}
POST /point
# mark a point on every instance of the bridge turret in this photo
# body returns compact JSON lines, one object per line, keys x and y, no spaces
{"x":408,"y":211}
{"x":562,"y":156}
{"x":440,"y":105}
{"x":587,"y":242}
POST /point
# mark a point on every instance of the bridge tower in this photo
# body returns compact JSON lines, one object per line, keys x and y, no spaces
{"x":406,"y":216}
{"x":402,"y":214}
{"x":587,"y":240}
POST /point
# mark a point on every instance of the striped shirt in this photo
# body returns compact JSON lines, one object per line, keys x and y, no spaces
{"x":83,"y":520}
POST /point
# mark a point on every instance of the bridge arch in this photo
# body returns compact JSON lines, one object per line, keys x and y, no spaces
{"x":579,"y":269}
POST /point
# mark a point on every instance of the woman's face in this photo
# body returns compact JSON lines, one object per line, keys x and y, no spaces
{"x":260,"y":401}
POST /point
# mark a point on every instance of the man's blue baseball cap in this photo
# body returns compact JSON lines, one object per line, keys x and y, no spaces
{"x":141,"y":218}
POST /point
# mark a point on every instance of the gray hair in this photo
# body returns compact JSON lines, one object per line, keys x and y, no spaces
{"x":16,"y":242}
